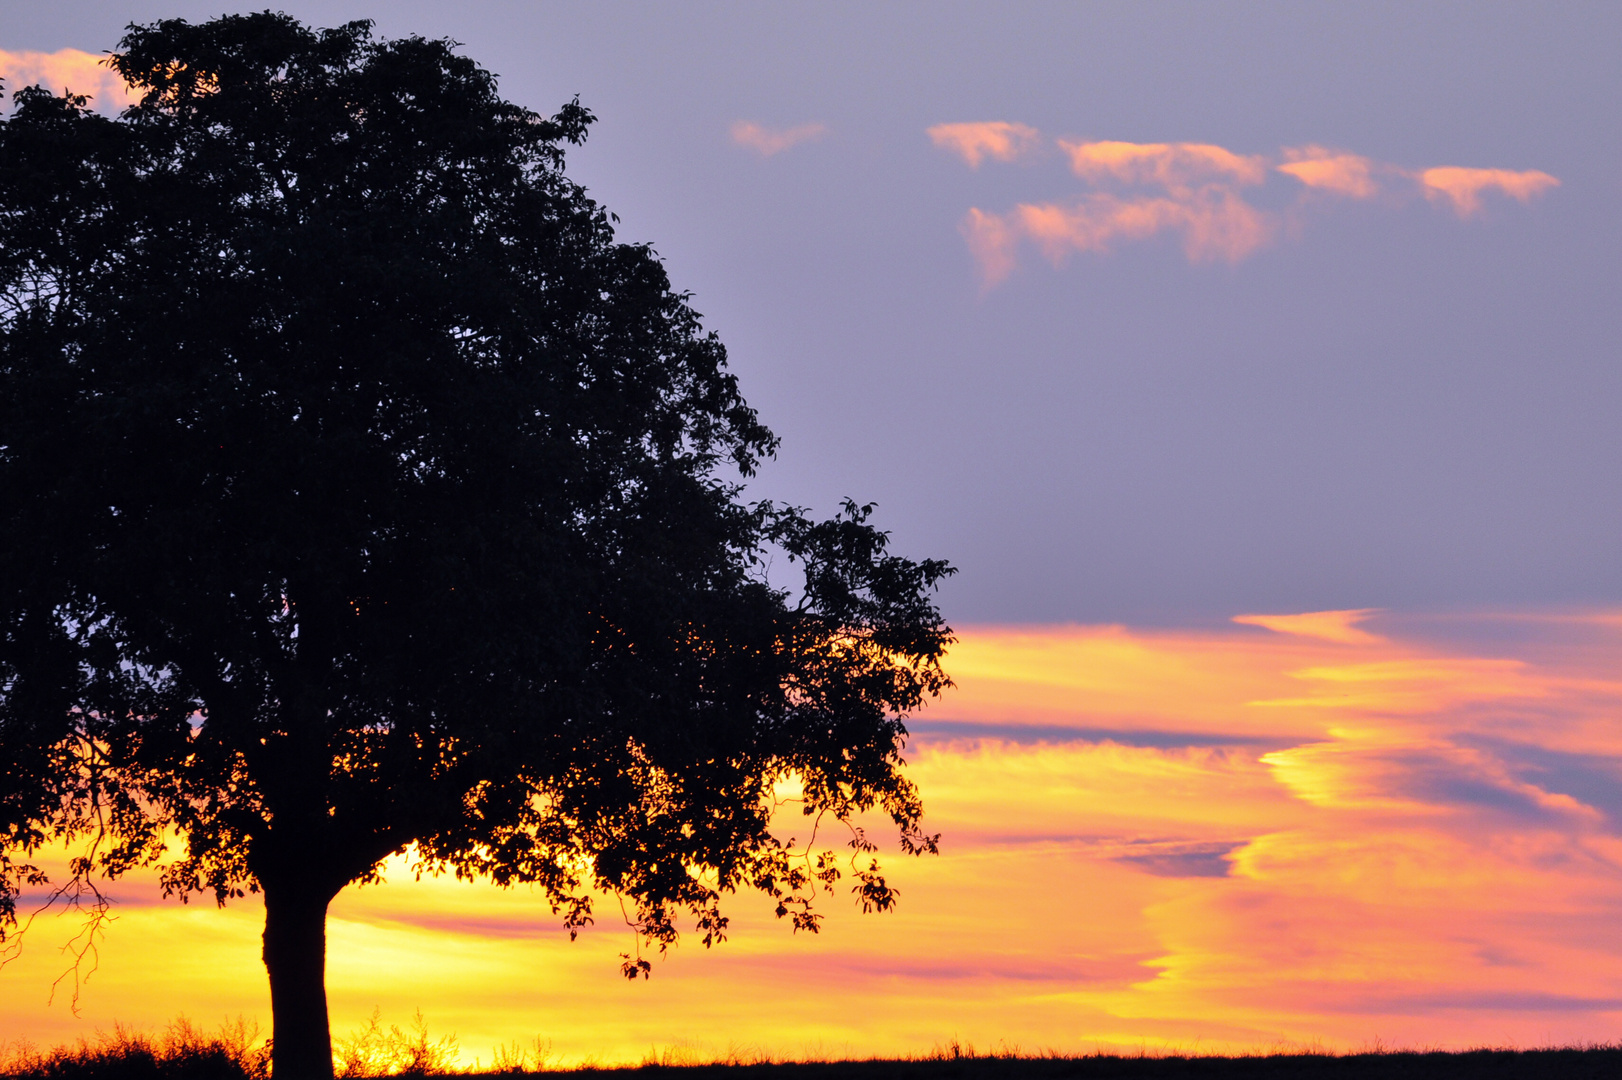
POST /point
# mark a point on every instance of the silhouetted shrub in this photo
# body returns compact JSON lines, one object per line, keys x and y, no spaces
{"x":182,"y":1052}
{"x":372,"y":1051}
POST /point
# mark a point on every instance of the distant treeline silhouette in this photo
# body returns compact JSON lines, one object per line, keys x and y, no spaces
{"x":236,"y":1052}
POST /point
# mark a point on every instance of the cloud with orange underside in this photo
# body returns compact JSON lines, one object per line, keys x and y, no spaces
{"x":997,"y":140}
{"x":1169,"y":165}
{"x":767,"y":141}
{"x":1332,"y":171}
{"x":1199,"y":202}
{"x":1197,"y":199}
{"x":1289,"y":829}
{"x":1216,"y":224}
{"x":66,"y":70}
{"x":1463,"y":187}
{"x":1193,"y":190}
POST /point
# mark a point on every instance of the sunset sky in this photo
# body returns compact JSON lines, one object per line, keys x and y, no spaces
{"x":1256,"y":364}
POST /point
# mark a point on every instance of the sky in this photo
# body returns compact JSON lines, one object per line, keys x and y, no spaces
{"x":1146,"y":317}
{"x":1342,"y":830}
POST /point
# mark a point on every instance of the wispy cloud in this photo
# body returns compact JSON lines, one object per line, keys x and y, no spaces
{"x":1194,"y":190}
{"x":1338,"y":626}
{"x":66,"y":69}
{"x":993,"y":241}
{"x":767,"y":141}
{"x":998,"y":140}
{"x":1463,"y":187}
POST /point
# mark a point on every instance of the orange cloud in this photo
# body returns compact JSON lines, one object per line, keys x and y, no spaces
{"x":997,"y":140}
{"x":1216,"y":224}
{"x":1463,"y":187}
{"x":1170,"y":165}
{"x":1199,"y":194}
{"x":66,"y":69}
{"x":768,"y":141}
{"x":1334,"y":171}
{"x":1338,"y":626}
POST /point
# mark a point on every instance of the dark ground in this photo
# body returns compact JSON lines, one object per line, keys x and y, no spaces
{"x":1506,"y":1064}
{"x":1575,"y":1064}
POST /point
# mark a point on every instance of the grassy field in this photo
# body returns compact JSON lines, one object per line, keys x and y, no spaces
{"x":236,"y":1052}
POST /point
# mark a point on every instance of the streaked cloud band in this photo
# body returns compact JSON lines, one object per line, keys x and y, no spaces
{"x":1308,"y":827}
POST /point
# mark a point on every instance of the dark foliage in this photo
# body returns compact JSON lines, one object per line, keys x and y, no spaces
{"x":359,"y":493}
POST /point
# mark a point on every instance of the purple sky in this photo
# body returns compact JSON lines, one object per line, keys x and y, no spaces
{"x":1388,"y":406}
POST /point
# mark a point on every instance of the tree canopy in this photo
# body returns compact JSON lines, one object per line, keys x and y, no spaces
{"x":360,"y":494}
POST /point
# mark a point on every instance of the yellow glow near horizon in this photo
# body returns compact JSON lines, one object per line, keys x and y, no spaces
{"x":1224,"y":839}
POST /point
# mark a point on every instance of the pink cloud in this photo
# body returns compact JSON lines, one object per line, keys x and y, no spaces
{"x":1194,"y":189}
{"x":1463,"y":187}
{"x":997,"y":140}
{"x":1215,"y":224}
{"x":1200,"y":202}
{"x":66,"y":69}
{"x":992,"y":240}
{"x":768,"y":141}
{"x":1334,"y":171}
{"x":1170,"y":165}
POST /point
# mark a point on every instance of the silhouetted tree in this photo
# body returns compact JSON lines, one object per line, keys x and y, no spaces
{"x":360,"y":494}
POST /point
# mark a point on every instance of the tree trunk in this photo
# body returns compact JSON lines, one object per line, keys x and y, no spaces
{"x":296,"y":959}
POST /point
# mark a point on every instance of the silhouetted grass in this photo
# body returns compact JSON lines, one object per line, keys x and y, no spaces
{"x":183,"y":1052}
